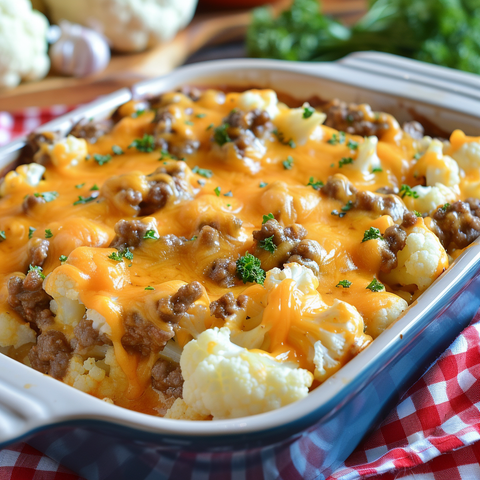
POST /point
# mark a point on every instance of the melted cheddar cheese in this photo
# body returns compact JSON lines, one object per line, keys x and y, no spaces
{"x":201,"y":187}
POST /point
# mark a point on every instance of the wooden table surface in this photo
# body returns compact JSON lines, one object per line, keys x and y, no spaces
{"x":126,"y":69}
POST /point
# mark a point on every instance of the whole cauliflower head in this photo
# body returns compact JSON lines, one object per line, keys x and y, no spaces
{"x":130,"y":25}
{"x":23,"y":44}
{"x":228,"y":381}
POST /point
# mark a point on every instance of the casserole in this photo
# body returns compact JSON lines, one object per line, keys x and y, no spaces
{"x":31,"y":402}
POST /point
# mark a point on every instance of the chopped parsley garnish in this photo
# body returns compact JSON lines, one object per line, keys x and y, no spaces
{"x":337,"y":138}
{"x":406,"y":191}
{"x":63,"y":258}
{"x":249,"y":269}
{"x":288,"y":163}
{"x":316,"y":185}
{"x":138,"y":112}
{"x":350,"y":118}
{"x":201,"y":115}
{"x":377,"y":170}
{"x":209,"y":127}
{"x":352,"y":145}
{"x":348,"y":206}
{"x":80,"y":185}
{"x":120,"y":255}
{"x":149,"y":288}
{"x":145,"y":144}
{"x":150,"y":235}
{"x":262,"y":184}
{"x":338,"y":214}
{"x":189,"y":122}
{"x":372,"y":234}
{"x":308,"y":112}
{"x":375,"y":286}
{"x":444,"y":207}
{"x":221,"y":136}
{"x":128,"y":254}
{"x":117,"y":150}
{"x":417,"y":155}
{"x":35,"y":268}
{"x":268,"y":217}
{"x":2,"y":235}
{"x":47,"y":196}
{"x":343,"y":283}
{"x":31,"y":231}
{"x":345,"y":161}
{"x":82,"y":200}
{"x":102,"y":159}
{"x":201,"y":182}
{"x":228,"y":194}
{"x":94,"y":188}
{"x":281,"y":139}
{"x":48,"y":233}
{"x":217,"y":191}
{"x":203,"y":172}
{"x":268,"y":244}
{"x":418,"y":214}
{"x":193,"y":238}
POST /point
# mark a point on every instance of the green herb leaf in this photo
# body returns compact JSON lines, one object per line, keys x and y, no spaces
{"x":268,"y":244}
{"x":117,"y":150}
{"x":288,"y":163}
{"x":228,"y":194}
{"x":249,"y":269}
{"x":377,"y":170}
{"x":150,"y":235}
{"x":345,"y":161}
{"x":189,"y":122}
{"x":2,"y":235}
{"x":117,"y":256}
{"x":145,"y":144}
{"x":94,"y":188}
{"x":47,"y":196}
{"x":308,"y":112}
{"x":82,"y":200}
{"x":202,"y":171}
{"x":281,"y":139}
{"x":201,"y":115}
{"x":352,"y":145}
{"x":102,"y":159}
{"x":262,"y":184}
{"x":221,"y":136}
{"x":120,"y":255}
{"x":63,"y":258}
{"x":417,"y":155}
{"x":348,"y":206}
{"x":35,"y":268}
{"x":268,"y":217}
{"x":343,"y":283}
{"x":316,"y":185}
{"x":31,"y":231}
{"x":372,"y":234}
{"x":149,"y":288}
{"x":418,"y":214}
{"x":337,"y":138}
{"x":444,"y":207}
{"x":217,"y":191}
{"x":375,"y":286}
{"x":406,"y":191}
{"x":48,"y":233}
{"x":209,"y":127}
{"x":80,"y":185}
{"x":138,"y":112}
{"x":128,"y":254}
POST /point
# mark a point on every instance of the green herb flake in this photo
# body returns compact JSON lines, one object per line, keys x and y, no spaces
{"x":377,"y":170}
{"x":47,"y":196}
{"x":375,"y":286}
{"x":308,"y":112}
{"x":372,"y":234}
{"x":145,"y":144}
{"x":348,"y":206}
{"x":31,"y":231}
{"x":209,"y":127}
{"x":337,"y":138}
{"x":316,"y":185}
{"x":150,"y":235}
{"x":268,"y":244}
{"x":221,"y":136}
{"x":39,"y":270}
{"x":117,"y":150}
{"x":262,"y":184}
{"x":117,"y":256}
{"x":352,"y":145}
{"x":343,"y":283}
{"x":345,"y":161}
{"x":149,"y":288}
{"x":63,"y":258}
{"x":418,"y":214}
{"x":194,"y":238}
{"x":268,"y":217}
{"x":3,"y":236}
{"x":217,"y":191}
{"x":444,"y":207}
{"x":417,"y":155}
{"x":102,"y":159}
{"x":82,"y":200}
{"x":228,"y":194}
{"x":288,"y":163}
{"x":406,"y":191}
{"x":48,"y":233}
{"x":281,"y":139}
{"x":128,"y":255}
{"x":138,"y":113}
{"x":202,"y":172}
{"x":80,"y":185}
{"x":189,"y":123}
{"x":94,"y":188}
{"x":201,"y":115}
{"x":249,"y":269}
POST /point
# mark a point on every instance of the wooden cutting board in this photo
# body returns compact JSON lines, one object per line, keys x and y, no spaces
{"x":126,"y":69}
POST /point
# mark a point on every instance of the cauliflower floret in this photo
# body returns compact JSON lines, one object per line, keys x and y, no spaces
{"x":429,"y":198}
{"x":305,"y":279}
{"x":367,"y":159}
{"x":292,"y":124}
{"x":227,"y":381}
{"x":421,"y":261}
{"x":68,"y":151}
{"x":181,"y":411}
{"x":130,"y":25}
{"x":14,"y":332}
{"x":23,"y":44}
{"x":261,"y":99}
{"x":23,"y":176}
{"x":388,"y":308}
{"x":84,"y":375}
{"x":468,"y":156}
{"x":99,"y":322}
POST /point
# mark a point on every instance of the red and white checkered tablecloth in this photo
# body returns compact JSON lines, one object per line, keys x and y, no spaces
{"x":432,"y":434}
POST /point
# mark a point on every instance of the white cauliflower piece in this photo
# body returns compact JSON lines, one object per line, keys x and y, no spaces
{"x":227,"y":381}
{"x":28,"y":175}
{"x":84,"y":375}
{"x":421,"y":261}
{"x":468,"y":156}
{"x":388,"y":308}
{"x":429,"y":198}
{"x":68,"y":151}
{"x":367,"y":159}
{"x":291,"y":123}
{"x":261,"y":99}
{"x":99,"y":322}
{"x":181,"y":411}
{"x":23,"y":44}
{"x":14,"y":332}
{"x":130,"y":25}
{"x":305,"y":279}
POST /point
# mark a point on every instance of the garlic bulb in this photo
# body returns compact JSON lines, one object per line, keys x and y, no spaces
{"x":79,"y":51}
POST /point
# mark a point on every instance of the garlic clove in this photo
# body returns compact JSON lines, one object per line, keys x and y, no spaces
{"x":79,"y":51}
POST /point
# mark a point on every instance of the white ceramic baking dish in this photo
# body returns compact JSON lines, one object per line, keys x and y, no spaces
{"x":102,"y":441}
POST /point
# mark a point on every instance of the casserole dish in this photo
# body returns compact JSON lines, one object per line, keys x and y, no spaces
{"x":101,"y":441}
